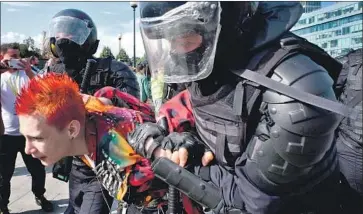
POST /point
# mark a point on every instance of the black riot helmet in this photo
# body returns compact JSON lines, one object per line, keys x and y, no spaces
{"x":73,"y":36}
{"x":180,"y":38}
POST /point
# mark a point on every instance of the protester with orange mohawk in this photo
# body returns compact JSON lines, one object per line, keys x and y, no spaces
{"x":56,"y":123}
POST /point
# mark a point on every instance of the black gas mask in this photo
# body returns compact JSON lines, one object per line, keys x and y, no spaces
{"x":69,"y":52}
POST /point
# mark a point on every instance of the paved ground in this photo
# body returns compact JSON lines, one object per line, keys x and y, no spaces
{"x":22,"y":198}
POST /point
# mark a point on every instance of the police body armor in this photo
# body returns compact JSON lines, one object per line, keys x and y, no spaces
{"x":350,"y":130}
{"x":288,"y":146}
{"x":109,"y":73}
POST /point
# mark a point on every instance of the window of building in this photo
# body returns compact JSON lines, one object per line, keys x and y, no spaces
{"x":356,"y":41}
{"x":346,"y":30}
{"x":333,"y":43}
{"x":311,"y":20}
{"x":324,"y":45}
{"x":348,"y":9}
{"x":338,"y":12}
{"x":320,"y":17}
{"x":302,"y":22}
{"x":338,"y":32}
{"x":356,"y":28}
{"x":331,"y":24}
{"x":357,"y":5}
{"x":344,"y":42}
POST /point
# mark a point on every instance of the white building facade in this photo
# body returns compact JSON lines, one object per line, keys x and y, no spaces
{"x":336,"y":28}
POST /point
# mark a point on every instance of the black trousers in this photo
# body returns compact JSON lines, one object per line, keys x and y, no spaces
{"x":86,"y":193}
{"x":9,"y":148}
{"x":351,"y":167}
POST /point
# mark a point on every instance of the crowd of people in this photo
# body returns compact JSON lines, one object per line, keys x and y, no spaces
{"x":12,"y":141}
{"x":243,"y":108}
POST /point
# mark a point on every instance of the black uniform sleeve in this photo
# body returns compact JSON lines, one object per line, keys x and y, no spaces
{"x":238,"y":192}
{"x":124,"y":78}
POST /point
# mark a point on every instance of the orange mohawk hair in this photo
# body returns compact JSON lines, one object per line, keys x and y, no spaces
{"x":54,"y":96}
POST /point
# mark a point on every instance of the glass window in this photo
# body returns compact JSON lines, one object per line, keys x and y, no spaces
{"x":320,"y":17}
{"x":338,"y":12}
{"x":346,"y":10}
{"x":355,"y":28}
{"x":356,"y":41}
{"x":355,"y":5}
{"x":331,"y":24}
{"x":302,"y":21}
{"x":311,"y":20}
{"x":338,"y":32}
{"x":324,"y":45}
{"x":333,"y":43}
{"x":345,"y":30}
{"x":334,"y":24}
{"x":344,"y":43}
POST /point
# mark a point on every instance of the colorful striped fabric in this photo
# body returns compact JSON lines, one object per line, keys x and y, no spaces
{"x":112,"y":158}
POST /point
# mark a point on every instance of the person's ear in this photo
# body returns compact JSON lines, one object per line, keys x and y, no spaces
{"x":74,"y":129}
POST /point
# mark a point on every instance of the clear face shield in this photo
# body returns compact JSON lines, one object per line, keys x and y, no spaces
{"x":71,"y":28}
{"x":181,"y":43}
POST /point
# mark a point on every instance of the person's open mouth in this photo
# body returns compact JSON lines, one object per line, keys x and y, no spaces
{"x":42,"y":158}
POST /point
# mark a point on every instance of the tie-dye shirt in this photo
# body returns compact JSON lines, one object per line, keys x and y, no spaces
{"x":112,"y":158}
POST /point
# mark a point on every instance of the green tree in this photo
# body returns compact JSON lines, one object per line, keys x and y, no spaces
{"x":29,"y":42}
{"x":25,"y":52}
{"x":28,"y":49}
{"x":106,"y":52}
{"x":123,"y":57}
{"x":140,"y":60}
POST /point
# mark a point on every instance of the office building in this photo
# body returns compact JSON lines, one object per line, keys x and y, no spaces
{"x":336,"y":28}
{"x":310,"y":6}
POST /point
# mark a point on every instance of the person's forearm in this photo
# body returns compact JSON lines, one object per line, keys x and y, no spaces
{"x":30,"y":74}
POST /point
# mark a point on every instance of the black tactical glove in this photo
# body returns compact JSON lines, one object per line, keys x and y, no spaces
{"x":188,"y":140}
{"x":137,"y":139}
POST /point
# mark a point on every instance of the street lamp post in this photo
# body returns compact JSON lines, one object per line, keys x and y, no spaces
{"x":119,"y":42}
{"x":133,"y":4}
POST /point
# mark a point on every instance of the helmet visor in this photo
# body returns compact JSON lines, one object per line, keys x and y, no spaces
{"x":181,"y":43}
{"x":71,"y":28}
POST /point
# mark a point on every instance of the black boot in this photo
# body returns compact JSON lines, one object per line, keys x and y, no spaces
{"x":46,"y":205}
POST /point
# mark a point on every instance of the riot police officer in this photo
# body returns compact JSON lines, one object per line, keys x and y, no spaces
{"x":274,"y":152}
{"x":73,"y":39}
